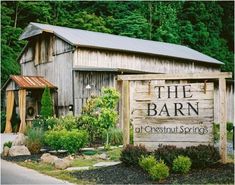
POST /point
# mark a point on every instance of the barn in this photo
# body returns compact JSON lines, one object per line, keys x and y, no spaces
{"x":79,"y":62}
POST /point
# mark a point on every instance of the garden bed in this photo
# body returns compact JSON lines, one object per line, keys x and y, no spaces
{"x":120,"y":174}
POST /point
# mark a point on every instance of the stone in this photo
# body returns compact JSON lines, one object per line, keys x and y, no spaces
{"x":103,"y":164}
{"x":87,"y":149}
{"x":20,"y":140}
{"x":62,"y":164}
{"x":48,"y":158}
{"x":78,"y":168}
{"x":19,"y":150}
{"x":5,"y":151}
{"x":103,"y":156}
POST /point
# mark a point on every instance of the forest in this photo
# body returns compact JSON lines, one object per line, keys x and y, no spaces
{"x":207,"y":27}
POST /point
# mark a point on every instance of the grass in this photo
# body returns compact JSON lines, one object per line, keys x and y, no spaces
{"x":115,"y":154}
{"x":84,"y":162}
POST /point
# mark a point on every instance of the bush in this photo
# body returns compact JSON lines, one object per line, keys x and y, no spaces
{"x":71,"y":141}
{"x":115,"y":136}
{"x":131,"y":154}
{"x":47,"y":104}
{"x":229,"y":126}
{"x":181,"y":164}
{"x":39,"y":123}
{"x":147,"y":162}
{"x":168,"y":153}
{"x":159,"y":171}
{"x":3,"y":121}
{"x":34,"y":140}
{"x":202,"y":155}
{"x":8,"y":144}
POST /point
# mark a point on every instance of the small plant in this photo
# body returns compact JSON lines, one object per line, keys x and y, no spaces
{"x":8,"y":144}
{"x":181,"y":164}
{"x":202,"y":155}
{"x":131,"y":154}
{"x":34,"y":140}
{"x":229,"y":126}
{"x":71,"y":141}
{"x":147,"y":162}
{"x":159,"y":171}
{"x":168,"y":153}
{"x":47,"y":104}
{"x":115,"y":136}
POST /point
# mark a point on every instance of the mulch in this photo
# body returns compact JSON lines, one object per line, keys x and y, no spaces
{"x":121,"y":174}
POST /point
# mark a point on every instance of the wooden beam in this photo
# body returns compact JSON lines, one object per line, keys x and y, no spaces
{"x":182,"y":76}
{"x":126,"y":112}
{"x":223,"y":119}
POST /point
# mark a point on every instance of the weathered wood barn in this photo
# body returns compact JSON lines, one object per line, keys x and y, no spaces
{"x":80,"y":62}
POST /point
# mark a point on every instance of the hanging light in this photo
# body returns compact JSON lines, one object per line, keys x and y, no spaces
{"x":88,"y":87}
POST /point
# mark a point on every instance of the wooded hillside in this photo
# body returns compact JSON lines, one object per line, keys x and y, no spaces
{"x":205,"y":26}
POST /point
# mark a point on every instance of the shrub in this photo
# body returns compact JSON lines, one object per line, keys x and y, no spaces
{"x":168,"y":153}
{"x":71,"y":141}
{"x":115,"y":136}
{"x":181,"y":164}
{"x":229,"y":126}
{"x":131,"y":135}
{"x":47,"y":104}
{"x":39,"y":123}
{"x":34,"y":140}
{"x":8,"y":144}
{"x":202,"y":155}
{"x":3,"y":121}
{"x":131,"y":154}
{"x":216,"y":131}
{"x":159,"y":171}
{"x":147,"y":162}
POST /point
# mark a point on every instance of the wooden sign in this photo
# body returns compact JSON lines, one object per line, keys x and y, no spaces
{"x":171,"y":114}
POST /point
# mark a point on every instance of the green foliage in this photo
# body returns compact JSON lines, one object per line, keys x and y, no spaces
{"x":131,"y":135}
{"x":216,"y":131}
{"x":65,"y":122}
{"x":115,"y":136}
{"x":67,"y":140}
{"x":147,"y":162}
{"x":34,"y":140}
{"x":229,"y":126}
{"x":181,"y":164}
{"x":100,"y":114}
{"x":168,"y":153}
{"x":47,"y":104}
{"x":8,"y":144}
{"x":159,"y":171}
{"x":131,"y":154}
{"x":3,"y":121}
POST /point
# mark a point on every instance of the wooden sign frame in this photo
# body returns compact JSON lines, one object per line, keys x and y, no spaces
{"x":124,"y":82}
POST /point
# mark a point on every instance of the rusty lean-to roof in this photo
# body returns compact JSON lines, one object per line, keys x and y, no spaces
{"x":31,"y":82}
{"x":90,"y":39}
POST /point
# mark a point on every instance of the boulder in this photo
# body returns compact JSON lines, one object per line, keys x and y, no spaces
{"x":103,"y":156}
{"x":5,"y":151}
{"x":19,"y":150}
{"x":48,"y":158}
{"x":19,"y":140}
{"x":62,"y":164}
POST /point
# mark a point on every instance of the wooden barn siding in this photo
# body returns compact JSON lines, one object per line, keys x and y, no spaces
{"x":58,"y":72}
{"x":111,"y":59}
{"x":97,"y":80}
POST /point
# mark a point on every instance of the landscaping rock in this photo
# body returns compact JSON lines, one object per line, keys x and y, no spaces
{"x":103,"y":156}
{"x":78,"y":168}
{"x":103,"y":164}
{"x":62,"y":164}
{"x":5,"y":151}
{"x":19,"y":150}
{"x":48,"y":158}
{"x":20,"y":140}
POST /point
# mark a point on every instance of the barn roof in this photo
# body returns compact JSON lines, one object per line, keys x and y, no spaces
{"x":30,"y":82}
{"x":98,"y":40}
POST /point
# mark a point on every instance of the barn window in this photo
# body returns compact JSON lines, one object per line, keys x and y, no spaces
{"x":43,"y":49}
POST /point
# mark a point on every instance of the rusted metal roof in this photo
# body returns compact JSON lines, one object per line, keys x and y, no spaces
{"x":31,"y":82}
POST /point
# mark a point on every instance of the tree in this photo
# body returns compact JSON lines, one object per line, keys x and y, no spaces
{"x":47,"y":104}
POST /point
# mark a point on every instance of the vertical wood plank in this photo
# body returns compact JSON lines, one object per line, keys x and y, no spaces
{"x":119,"y":89}
{"x":126,"y":112}
{"x":223,"y":119}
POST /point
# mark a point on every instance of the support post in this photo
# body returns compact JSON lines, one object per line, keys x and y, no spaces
{"x":223,"y":119}
{"x":126,"y":112}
